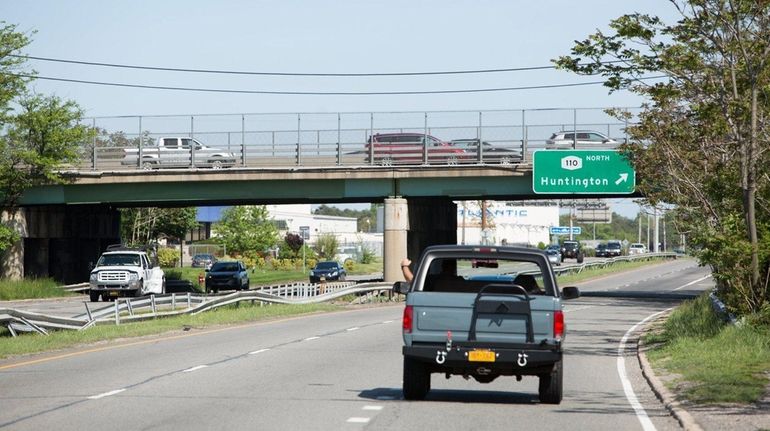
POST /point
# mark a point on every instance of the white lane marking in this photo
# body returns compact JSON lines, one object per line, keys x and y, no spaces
{"x":693,"y":282}
{"x":641,"y":414}
{"x":311,"y":338}
{"x":388,"y":321}
{"x":106,"y":394}
{"x":375,"y":408}
{"x":190,"y":370}
{"x":258,"y":351}
{"x":358,"y":420}
{"x":355,"y":328}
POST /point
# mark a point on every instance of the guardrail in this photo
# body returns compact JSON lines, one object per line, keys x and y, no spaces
{"x":174,"y":304}
{"x":578,"y":267}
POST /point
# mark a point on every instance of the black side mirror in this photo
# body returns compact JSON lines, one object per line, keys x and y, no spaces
{"x":570,"y":292}
{"x":401,"y":287}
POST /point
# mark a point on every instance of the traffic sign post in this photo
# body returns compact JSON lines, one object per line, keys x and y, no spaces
{"x":582,"y":172}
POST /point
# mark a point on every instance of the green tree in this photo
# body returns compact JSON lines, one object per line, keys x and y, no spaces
{"x":38,"y":134}
{"x":702,"y":137}
{"x":247,"y":229}
{"x":326,"y":246}
{"x":146,"y":225}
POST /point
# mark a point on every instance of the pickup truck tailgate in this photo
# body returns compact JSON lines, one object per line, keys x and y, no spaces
{"x":436,"y":313}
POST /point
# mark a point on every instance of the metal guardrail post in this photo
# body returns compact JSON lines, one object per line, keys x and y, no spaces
{"x":524,"y":135}
{"x":117,"y":311}
{"x":173,"y":302}
{"x":339,"y":140}
{"x":189,"y":300}
{"x":243,"y":140}
{"x":152,"y":305}
{"x":299,"y":138}
{"x":425,"y":141}
{"x":129,"y":307}
{"x":141,"y":146}
{"x":480,"y":151}
{"x":88,"y":311}
{"x":93,"y":147}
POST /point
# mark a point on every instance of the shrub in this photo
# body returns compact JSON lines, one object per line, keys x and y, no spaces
{"x":349,"y":265}
{"x":367,"y":254}
{"x":168,"y":257}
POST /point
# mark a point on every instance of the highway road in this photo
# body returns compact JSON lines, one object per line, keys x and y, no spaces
{"x":342,"y":371}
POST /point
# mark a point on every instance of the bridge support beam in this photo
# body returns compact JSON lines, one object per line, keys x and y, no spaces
{"x":432,"y":221}
{"x":394,"y":248}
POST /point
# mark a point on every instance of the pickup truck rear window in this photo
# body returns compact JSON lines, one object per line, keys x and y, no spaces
{"x":458,"y":275}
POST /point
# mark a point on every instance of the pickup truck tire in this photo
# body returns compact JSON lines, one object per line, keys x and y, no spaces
{"x":580,"y":257}
{"x":550,"y":388}
{"x":94,"y":296}
{"x":416,"y":380}
{"x":148,"y":165}
{"x":216,"y":163}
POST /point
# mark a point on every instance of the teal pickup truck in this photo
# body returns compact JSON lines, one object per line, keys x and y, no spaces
{"x":502,"y":318}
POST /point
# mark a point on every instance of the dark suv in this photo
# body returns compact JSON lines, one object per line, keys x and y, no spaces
{"x":572,"y":250}
{"x":410,"y":148}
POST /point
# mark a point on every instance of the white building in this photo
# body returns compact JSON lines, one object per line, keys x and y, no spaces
{"x":507,"y":223}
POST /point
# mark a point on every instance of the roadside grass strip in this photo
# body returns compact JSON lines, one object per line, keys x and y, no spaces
{"x":31,"y":289}
{"x":569,"y":279}
{"x":31,"y":343}
{"x":714,"y":362}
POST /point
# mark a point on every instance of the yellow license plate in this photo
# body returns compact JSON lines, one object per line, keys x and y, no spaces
{"x":113,"y":293}
{"x":481,"y":356}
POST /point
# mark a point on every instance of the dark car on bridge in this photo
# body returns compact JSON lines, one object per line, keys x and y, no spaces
{"x":410,"y":148}
{"x":227,"y":275}
{"x":327,"y":271}
{"x":484,"y":152}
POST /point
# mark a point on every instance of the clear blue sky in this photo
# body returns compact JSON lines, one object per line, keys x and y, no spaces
{"x":336,"y":36}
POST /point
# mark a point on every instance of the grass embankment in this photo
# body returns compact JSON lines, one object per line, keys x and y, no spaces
{"x":33,"y":343}
{"x":715,"y":362}
{"x":569,"y":279}
{"x":31,"y":289}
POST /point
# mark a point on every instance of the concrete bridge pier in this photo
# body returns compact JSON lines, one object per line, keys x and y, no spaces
{"x":412,"y":225}
{"x":394,"y":238}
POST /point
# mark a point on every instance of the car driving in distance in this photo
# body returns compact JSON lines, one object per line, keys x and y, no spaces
{"x":601,"y":250}
{"x":614,"y":249}
{"x":203,"y":260}
{"x":637,"y":248}
{"x":571,"y":249}
{"x":227,"y":275}
{"x":582,"y":139}
{"x":327,"y":271}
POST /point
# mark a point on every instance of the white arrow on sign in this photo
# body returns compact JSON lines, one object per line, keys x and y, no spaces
{"x":623,"y":178}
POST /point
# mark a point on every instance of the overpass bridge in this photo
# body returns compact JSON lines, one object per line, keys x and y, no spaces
{"x":66,"y":226}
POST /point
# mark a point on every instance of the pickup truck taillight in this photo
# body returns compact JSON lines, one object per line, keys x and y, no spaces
{"x":407,"y":322}
{"x":558,"y":324}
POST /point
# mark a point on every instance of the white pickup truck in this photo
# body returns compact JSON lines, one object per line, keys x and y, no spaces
{"x":124,"y":271}
{"x":175,"y":152}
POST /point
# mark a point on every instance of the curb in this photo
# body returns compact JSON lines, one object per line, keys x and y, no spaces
{"x":685,"y":419}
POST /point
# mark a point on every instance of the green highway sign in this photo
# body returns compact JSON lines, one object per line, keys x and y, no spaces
{"x":582,"y":172}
